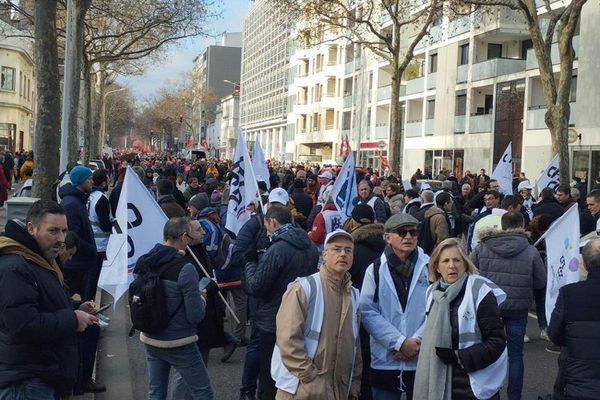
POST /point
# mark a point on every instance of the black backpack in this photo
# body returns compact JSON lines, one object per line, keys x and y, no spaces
{"x":147,"y":302}
{"x":425,"y":238}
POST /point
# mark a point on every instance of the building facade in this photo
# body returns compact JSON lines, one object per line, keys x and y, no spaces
{"x":264,"y":83}
{"x":17,"y":92}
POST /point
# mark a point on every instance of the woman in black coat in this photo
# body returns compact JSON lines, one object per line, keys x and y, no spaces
{"x":468,"y":339}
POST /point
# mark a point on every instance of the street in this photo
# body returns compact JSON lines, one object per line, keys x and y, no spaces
{"x":122,"y":364}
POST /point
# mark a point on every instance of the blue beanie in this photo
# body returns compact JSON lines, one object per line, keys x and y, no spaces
{"x":79,"y":175}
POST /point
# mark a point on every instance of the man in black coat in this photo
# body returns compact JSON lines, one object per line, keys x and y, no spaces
{"x":38,"y":323}
{"x":302,"y":200}
{"x":291,"y":255}
{"x":575,"y":325}
{"x":548,"y":205}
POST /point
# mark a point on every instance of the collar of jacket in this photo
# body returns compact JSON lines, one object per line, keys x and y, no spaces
{"x":29,"y":252}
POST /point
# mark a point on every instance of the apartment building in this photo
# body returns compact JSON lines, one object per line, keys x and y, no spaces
{"x":264,"y":81}
{"x":17,"y":91}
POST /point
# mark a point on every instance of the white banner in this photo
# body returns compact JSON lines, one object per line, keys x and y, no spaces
{"x":244,"y":188}
{"x":261,"y":169}
{"x":504,"y":171}
{"x":551,"y":175}
{"x":138,"y":226}
{"x":345,"y":190}
{"x":562,"y":250}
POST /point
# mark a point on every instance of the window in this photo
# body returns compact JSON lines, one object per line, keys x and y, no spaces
{"x":494,"y":51}
{"x":573,"y":96}
{"x":7,"y":78}
{"x":430,"y":109}
{"x":461,"y":104}
{"x":525,"y":45}
{"x":463,"y":55}
{"x":433,"y":63}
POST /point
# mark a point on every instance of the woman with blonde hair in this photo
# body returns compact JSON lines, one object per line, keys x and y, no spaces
{"x":463,"y":351}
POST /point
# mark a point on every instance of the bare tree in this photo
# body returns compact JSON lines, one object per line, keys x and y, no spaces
{"x":47,"y":127}
{"x":560,"y":24}
{"x":364,"y":23}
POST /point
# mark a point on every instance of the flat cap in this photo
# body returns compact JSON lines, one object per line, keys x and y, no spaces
{"x":399,"y":220}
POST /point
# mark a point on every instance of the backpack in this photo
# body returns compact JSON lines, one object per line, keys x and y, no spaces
{"x":147,"y":301}
{"x":223,"y":258}
{"x":425,"y":238}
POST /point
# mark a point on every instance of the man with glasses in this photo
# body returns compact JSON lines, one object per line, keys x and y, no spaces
{"x":491,"y":200}
{"x":317,"y":353}
{"x":393,"y":308}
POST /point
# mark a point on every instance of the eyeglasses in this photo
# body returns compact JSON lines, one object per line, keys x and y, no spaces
{"x":340,"y":249}
{"x":403,"y":232}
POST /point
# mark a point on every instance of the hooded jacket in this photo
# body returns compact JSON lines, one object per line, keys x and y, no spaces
{"x":368,"y":245}
{"x":183,"y":298}
{"x":290,"y":256}
{"x":438,"y":224}
{"x":170,"y":206}
{"x":74,"y":202}
{"x":507,"y":259}
{"x":38,"y":327}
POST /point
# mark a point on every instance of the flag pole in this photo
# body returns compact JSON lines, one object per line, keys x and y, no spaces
{"x":205,"y":272}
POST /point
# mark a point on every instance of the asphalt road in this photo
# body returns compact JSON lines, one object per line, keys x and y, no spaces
{"x":122,"y":364}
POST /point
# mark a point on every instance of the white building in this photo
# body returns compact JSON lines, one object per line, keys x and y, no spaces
{"x":264,"y":81}
{"x":230,"y":124}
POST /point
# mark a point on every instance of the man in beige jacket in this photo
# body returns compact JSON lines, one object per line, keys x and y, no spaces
{"x":317,"y":355}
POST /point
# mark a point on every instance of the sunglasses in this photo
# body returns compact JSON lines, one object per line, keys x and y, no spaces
{"x":402,"y":232}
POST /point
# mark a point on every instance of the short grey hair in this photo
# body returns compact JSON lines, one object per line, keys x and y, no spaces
{"x":427,"y":196}
{"x":591,"y":254}
{"x":575,"y":193}
{"x":466,"y":186}
{"x":175,"y":227}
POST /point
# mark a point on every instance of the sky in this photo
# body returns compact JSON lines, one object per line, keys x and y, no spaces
{"x":179,"y":58}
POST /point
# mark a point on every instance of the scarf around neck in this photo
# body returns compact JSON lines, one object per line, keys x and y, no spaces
{"x":434,"y":378}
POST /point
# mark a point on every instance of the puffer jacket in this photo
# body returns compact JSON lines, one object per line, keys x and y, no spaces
{"x":396,"y":203}
{"x":74,"y":202}
{"x":183,"y":299}
{"x":368,"y":245}
{"x":290,"y":256}
{"x":575,"y":325}
{"x":38,"y":327}
{"x":507,"y":259}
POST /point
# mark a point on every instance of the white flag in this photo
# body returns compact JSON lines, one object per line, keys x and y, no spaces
{"x":551,"y":175}
{"x":261,"y":170}
{"x":562,"y":250}
{"x":244,"y":188}
{"x":136,"y":229}
{"x":344,"y":190}
{"x":504,"y":171}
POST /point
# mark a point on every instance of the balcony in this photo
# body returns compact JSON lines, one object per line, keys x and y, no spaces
{"x":459,"y":124}
{"x":497,"y":67}
{"x":459,"y":26}
{"x":415,"y":86}
{"x":429,"y":126}
{"x":480,"y":123}
{"x":435,"y":34}
{"x":385,"y":17}
{"x":384,"y":93}
{"x":414,"y":128}
{"x":532,"y":62}
{"x":347,"y":101}
{"x":536,"y":117}
{"x":431,"y":81}
{"x":381,"y":130}
{"x":352,"y":66}
{"x":462,"y":73}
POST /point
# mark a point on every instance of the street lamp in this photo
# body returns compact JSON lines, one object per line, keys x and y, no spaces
{"x":236,"y":86}
{"x":103,"y":127}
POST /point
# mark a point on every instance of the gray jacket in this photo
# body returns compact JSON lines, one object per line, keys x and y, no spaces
{"x":508,"y":260}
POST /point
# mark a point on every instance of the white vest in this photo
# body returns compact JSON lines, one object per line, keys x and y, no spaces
{"x":100,"y":237}
{"x":487,"y":381}
{"x":313,"y":289}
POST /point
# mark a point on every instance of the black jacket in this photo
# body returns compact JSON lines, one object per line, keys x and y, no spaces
{"x":575,"y":325}
{"x":38,"y":327}
{"x":303,"y":201}
{"x":549,"y":207}
{"x":368,"y":245}
{"x":480,"y":355}
{"x":74,"y":202}
{"x":291,"y":255}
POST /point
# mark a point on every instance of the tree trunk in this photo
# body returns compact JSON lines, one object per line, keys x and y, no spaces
{"x":557,"y":120}
{"x":396,"y":145}
{"x":47,"y":127}
{"x":87,"y":115}
{"x":100,"y":111}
